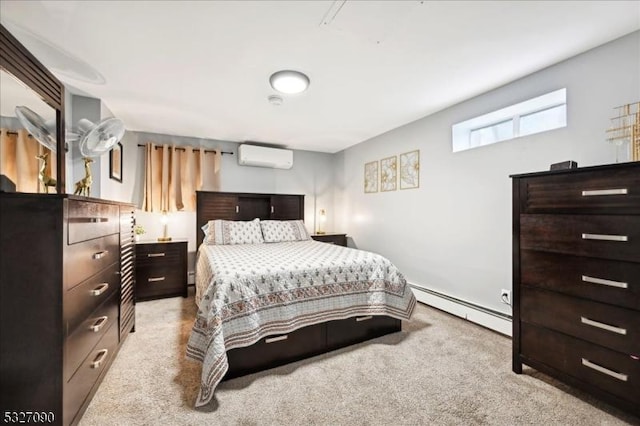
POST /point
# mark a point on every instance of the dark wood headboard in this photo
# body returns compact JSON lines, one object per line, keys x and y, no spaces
{"x":212,"y":205}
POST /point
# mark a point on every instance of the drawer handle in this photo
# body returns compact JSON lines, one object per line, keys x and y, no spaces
{"x":605,"y":237}
{"x":100,"y":254}
{"x":358,"y":319}
{"x":237,"y":209}
{"x":100,"y":289}
{"x":602,"y":281}
{"x":606,"y":371}
{"x":603,"y":326}
{"x":272,"y":209}
{"x":152,"y":280}
{"x":276,"y":339}
{"x":155,"y":255}
{"x":98,"y":219}
{"x":99,"y":324}
{"x":99,"y":359}
{"x":596,"y":192}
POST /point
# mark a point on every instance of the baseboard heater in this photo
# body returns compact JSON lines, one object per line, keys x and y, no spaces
{"x":489,"y":318}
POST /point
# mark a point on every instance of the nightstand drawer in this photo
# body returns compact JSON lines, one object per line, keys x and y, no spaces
{"x":600,"y":323}
{"x":158,"y":254}
{"x":606,"y":237}
{"x":612,"y":371}
{"x":152,"y":282}
{"x":605,"y":191}
{"x":602,"y":280}
{"x":88,"y":220}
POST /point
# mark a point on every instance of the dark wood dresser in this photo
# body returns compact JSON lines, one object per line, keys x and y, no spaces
{"x":338,"y":239}
{"x":64,"y":305}
{"x":576,"y":279}
{"x":161,"y":269}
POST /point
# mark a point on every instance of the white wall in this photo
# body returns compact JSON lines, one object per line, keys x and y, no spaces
{"x":453,"y":234}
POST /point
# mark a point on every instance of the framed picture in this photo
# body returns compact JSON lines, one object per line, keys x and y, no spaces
{"x":389,"y":173}
{"x":115,"y":162}
{"x":371,"y":177}
{"x":410,"y":170}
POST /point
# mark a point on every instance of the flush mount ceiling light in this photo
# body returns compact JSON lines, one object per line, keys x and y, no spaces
{"x":289,"y":82}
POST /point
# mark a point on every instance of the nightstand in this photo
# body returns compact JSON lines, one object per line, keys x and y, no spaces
{"x":161,"y":269}
{"x":338,"y":239}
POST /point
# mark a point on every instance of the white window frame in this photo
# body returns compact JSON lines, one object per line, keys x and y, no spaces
{"x":461,"y":132}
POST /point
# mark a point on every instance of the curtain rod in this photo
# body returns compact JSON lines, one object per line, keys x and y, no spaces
{"x":206,"y":151}
{"x":16,"y":133}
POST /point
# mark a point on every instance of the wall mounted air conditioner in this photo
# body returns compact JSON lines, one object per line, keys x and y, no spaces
{"x":262,"y":156}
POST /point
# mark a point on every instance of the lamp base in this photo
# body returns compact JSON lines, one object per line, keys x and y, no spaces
{"x":164,"y":239}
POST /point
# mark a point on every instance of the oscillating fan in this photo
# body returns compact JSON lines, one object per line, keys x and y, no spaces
{"x":97,"y":139}
{"x":42,"y":131}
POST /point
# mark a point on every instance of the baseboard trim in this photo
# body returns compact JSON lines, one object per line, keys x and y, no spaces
{"x":494,"y":320}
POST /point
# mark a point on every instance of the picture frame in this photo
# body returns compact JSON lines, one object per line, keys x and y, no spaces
{"x":115,"y":162}
{"x":371,"y":177}
{"x":410,"y":170}
{"x":389,"y":173}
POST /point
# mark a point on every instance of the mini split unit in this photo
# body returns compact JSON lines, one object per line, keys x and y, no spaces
{"x":262,"y":156}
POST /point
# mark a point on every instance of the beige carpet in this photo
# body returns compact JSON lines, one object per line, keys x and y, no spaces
{"x":441,"y":370}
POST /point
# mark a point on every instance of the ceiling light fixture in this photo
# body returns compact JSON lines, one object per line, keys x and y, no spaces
{"x":289,"y":82}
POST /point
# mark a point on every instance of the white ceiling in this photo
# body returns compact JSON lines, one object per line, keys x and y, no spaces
{"x":201,"y":68}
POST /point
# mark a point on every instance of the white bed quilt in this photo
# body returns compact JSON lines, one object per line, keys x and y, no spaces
{"x":247,"y":292}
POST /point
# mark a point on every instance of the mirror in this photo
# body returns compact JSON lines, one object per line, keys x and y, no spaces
{"x":27,"y":84}
{"x":23,"y":160}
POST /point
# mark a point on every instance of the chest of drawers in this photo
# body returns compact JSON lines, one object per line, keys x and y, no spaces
{"x":576,"y":279}
{"x":60,"y":299}
{"x":161,"y":269}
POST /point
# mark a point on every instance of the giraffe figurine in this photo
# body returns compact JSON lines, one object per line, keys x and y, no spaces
{"x":45,"y":179}
{"x":84,"y":184}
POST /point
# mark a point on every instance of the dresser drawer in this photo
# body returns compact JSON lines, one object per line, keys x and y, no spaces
{"x":83,"y":299}
{"x":607,"y":325}
{"x":87,"y":220}
{"x":83,"y":339}
{"x":78,"y":388}
{"x":602,"y":280}
{"x":155,"y":281}
{"x":592,"y":192}
{"x":348,"y":331}
{"x":607,"y":237}
{"x":611,"y":371}
{"x":82,"y":260}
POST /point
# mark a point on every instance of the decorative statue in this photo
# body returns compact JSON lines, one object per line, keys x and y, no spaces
{"x":84,"y":184}
{"x":43,"y":177}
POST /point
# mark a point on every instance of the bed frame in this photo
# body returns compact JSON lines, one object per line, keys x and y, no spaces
{"x":273,"y":351}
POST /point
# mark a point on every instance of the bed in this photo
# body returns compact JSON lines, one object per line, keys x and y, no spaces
{"x":263,"y":304}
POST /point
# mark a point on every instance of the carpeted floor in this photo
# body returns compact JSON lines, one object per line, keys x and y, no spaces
{"x":440,"y":370}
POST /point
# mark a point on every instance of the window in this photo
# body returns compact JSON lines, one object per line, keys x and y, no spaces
{"x":540,"y":114}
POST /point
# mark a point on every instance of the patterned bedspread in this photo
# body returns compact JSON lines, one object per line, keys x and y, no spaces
{"x":246,"y":292}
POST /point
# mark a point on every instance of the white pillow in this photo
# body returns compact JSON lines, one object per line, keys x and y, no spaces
{"x":276,"y":231}
{"x":233,"y":232}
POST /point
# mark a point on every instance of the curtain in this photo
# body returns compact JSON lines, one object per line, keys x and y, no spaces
{"x":174,"y":174}
{"x":19,"y":162}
